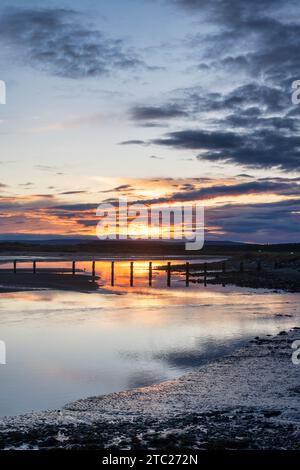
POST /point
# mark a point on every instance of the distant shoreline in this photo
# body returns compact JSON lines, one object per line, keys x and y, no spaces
{"x":23,"y":257}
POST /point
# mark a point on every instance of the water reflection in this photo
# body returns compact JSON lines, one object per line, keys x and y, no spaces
{"x":114,"y":273}
{"x":65,"y":345}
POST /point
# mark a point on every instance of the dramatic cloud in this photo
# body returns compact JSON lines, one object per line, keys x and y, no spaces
{"x":255,"y":126}
{"x":249,"y":119}
{"x":196,"y":192}
{"x":265,"y":222}
{"x":236,"y":209}
{"x":224,"y":96}
{"x":260,"y":148}
{"x":57,"y":41}
{"x":257,"y":37}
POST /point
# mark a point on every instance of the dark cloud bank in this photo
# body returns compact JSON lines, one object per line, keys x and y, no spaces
{"x":254,"y":123}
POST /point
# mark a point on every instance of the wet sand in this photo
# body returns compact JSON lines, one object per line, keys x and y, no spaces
{"x":247,"y":400}
{"x":46,"y":279}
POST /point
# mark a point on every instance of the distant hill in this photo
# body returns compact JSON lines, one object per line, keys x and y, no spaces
{"x":78,"y":240}
{"x":44,"y":239}
{"x":140,"y":247}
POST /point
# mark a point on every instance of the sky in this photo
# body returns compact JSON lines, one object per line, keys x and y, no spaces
{"x":161,"y":101}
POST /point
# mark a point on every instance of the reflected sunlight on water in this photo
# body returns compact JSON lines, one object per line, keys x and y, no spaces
{"x":63,"y":346}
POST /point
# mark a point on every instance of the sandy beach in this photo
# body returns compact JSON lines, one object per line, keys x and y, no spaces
{"x":247,"y":400}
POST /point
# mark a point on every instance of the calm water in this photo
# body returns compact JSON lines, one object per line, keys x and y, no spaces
{"x":62,"y":346}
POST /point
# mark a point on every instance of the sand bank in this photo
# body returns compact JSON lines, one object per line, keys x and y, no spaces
{"x":47,"y":279}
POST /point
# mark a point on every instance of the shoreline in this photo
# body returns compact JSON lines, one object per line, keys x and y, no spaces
{"x":282,"y":274}
{"x":27,"y":281}
{"x":218,"y":406}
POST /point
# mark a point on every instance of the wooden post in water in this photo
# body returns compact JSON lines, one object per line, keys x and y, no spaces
{"x":112,"y":273}
{"x":93,"y":269}
{"x":241,"y":267}
{"x":131,"y":273}
{"x":34,"y":267}
{"x":223,"y":267}
{"x":187,"y":274}
{"x":169,"y":274}
{"x":15,"y":266}
{"x":205,"y":269}
{"x":73,"y":268}
{"x":150,"y":273}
